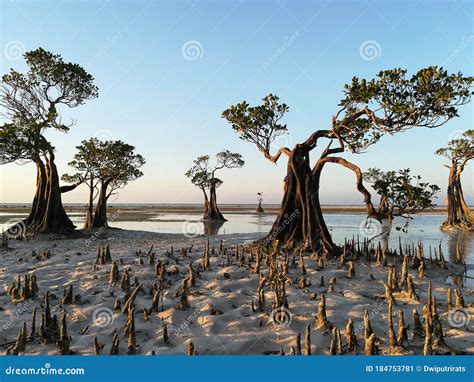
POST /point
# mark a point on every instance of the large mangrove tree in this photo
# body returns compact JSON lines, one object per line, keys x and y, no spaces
{"x":388,"y":104}
{"x":30,"y":103}
{"x":459,"y":152}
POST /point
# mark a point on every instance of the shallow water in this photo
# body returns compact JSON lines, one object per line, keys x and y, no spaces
{"x":423,"y":227}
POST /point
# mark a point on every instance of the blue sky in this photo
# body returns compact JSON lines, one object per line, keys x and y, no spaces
{"x":157,"y":96}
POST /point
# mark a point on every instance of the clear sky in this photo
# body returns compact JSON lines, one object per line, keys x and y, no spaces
{"x":167,"y":69}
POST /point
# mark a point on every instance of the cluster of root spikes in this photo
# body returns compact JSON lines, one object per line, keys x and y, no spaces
{"x":277,"y":270}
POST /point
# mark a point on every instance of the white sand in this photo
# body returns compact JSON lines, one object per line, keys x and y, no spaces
{"x":229,"y":289}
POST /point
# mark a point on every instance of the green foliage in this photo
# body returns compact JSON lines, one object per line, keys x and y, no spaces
{"x":202,"y":174}
{"x":405,"y":194}
{"x":260,"y":124}
{"x":112,"y":163}
{"x":390,"y":103}
{"x":31,"y":101}
{"x":393,"y":102}
{"x":460,"y":149}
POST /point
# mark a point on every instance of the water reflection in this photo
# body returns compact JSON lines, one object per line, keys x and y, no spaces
{"x":212,"y":228}
{"x":343,"y":225}
{"x":459,"y":244}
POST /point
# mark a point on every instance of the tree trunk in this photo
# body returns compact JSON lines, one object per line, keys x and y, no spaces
{"x":100,"y":215}
{"x":300,"y":220}
{"x":211,"y":211}
{"x":47,"y":213}
{"x":89,"y":214}
{"x":459,"y":216}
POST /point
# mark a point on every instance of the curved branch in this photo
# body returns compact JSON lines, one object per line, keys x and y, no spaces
{"x":274,"y":158}
{"x":359,"y":181}
{"x":311,"y":142}
{"x":64,"y":189}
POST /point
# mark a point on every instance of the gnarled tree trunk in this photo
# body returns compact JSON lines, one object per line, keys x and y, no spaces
{"x":459,"y":216}
{"x":211,"y":211}
{"x":301,"y":221}
{"x":47,"y":213}
{"x":100,"y":214}
{"x":89,"y":215}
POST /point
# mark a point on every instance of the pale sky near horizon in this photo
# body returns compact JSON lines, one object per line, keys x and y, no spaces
{"x":166,"y":71}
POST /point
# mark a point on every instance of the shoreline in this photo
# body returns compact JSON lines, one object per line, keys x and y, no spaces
{"x":148,"y":212}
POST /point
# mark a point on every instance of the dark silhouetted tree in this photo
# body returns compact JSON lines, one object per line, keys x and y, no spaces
{"x":459,"y":151}
{"x":203,"y":175}
{"x":389,"y":104}
{"x":260,"y":200}
{"x":31,"y":102}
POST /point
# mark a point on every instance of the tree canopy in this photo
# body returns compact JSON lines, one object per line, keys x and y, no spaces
{"x":460,"y":149}
{"x":390,"y":103}
{"x":30,"y":103}
{"x":113,"y":163}
{"x":203,"y":174}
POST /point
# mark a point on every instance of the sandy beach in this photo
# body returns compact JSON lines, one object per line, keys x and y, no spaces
{"x":221,"y":316}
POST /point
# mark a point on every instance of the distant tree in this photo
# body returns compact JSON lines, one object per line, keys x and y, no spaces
{"x":30,"y":105}
{"x":105,"y":166}
{"x":203,"y":175}
{"x":388,"y":104}
{"x":260,"y":200}
{"x":459,"y":151}
{"x":401,"y":194}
